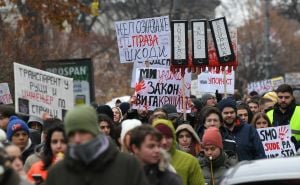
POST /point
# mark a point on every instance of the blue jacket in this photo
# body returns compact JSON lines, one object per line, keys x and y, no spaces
{"x":249,"y":146}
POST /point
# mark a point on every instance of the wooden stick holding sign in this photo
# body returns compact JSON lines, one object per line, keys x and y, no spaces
{"x":225,"y":83}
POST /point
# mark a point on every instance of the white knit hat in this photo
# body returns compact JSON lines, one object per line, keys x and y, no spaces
{"x":2,"y":135}
{"x":128,"y":125}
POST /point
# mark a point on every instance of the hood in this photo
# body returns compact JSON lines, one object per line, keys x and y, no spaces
{"x":190,"y":129}
{"x":169,"y":124}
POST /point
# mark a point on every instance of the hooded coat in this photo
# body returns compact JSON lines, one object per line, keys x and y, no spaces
{"x":109,"y":167}
{"x":186,"y":165}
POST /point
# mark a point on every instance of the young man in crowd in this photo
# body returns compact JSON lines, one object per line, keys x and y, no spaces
{"x":145,"y":144}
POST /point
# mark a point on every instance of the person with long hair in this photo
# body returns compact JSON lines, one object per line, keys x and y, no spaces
{"x":55,"y":146}
{"x":261,"y":120}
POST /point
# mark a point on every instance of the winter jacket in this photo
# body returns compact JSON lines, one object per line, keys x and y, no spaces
{"x":35,"y":157}
{"x":219,"y":166}
{"x":249,"y":146}
{"x":29,"y":149}
{"x":37,"y":168}
{"x":107,"y":166}
{"x":186,"y":165}
{"x":157,"y":176}
{"x":11,"y":177}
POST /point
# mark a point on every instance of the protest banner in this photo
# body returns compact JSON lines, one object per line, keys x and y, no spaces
{"x":143,"y":39}
{"x":81,"y":70}
{"x":210,"y":81}
{"x":277,"y":141}
{"x":264,"y":86}
{"x":163,"y":63}
{"x":38,"y":91}
{"x":5,"y":96}
{"x":158,"y":86}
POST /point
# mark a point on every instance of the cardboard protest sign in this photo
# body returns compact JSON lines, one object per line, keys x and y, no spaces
{"x":163,"y":63}
{"x":38,"y":91}
{"x":210,"y":81}
{"x":5,"y":96}
{"x":277,"y":141}
{"x":143,"y":39}
{"x":264,"y":86}
{"x":158,"y":86}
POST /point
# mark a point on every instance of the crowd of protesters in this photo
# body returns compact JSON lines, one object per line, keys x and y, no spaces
{"x":120,"y":145}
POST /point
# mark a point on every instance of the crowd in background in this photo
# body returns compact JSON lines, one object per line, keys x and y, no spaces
{"x":121,"y":145}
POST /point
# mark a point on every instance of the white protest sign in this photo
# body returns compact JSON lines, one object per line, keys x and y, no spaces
{"x":277,"y":141}
{"x":163,"y":63}
{"x":158,"y":86}
{"x":5,"y":96}
{"x":264,"y":86}
{"x":143,"y":39}
{"x":210,"y":81}
{"x":38,"y":91}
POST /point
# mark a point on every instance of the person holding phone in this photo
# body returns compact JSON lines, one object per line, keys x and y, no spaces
{"x":55,"y":146}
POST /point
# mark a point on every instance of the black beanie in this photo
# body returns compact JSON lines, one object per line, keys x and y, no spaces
{"x":105,"y":109}
{"x":124,"y":106}
{"x":227,"y":102}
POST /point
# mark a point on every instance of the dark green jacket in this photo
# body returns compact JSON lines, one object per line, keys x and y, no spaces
{"x":109,"y":168}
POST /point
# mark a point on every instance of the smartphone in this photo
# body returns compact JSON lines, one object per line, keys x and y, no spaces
{"x":37,"y":179}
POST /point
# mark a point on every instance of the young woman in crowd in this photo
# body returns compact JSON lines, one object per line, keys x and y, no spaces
{"x":188,"y":140}
{"x":55,"y":147}
{"x":260,"y":120}
{"x":117,"y":115}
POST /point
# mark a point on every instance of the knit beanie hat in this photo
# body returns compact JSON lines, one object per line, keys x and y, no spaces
{"x":212,"y":136}
{"x":164,"y":130}
{"x":171,"y":110}
{"x":124,"y":106}
{"x":15,"y":124}
{"x":272,"y":96}
{"x":2,"y":135}
{"x":105,"y":109}
{"x":82,"y":117}
{"x":128,"y":125}
{"x":227,"y":102}
{"x":206,"y":97}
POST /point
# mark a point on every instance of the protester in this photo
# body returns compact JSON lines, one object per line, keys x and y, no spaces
{"x":253,"y":105}
{"x":145,"y":144}
{"x":91,"y":158}
{"x":18,"y":134}
{"x":212,"y":117}
{"x":244,"y":113}
{"x":8,"y":175}
{"x":186,"y":166}
{"x":6,"y":111}
{"x":3,"y":137}
{"x":127,"y":126}
{"x":55,"y":146}
{"x":39,"y":149}
{"x":208,"y":99}
{"x":215,"y":162}
{"x":15,"y":158}
{"x":246,"y":137}
{"x":286,"y":112}
{"x":117,"y":115}
{"x":105,"y":109}
{"x":35,"y":123}
{"x":266,"y":104}
{"x":106,"y":125}
{"x":173,"y":115}
{"x":188,"y":140}
{"x":158,"y":113}
{"x":261,"y":120}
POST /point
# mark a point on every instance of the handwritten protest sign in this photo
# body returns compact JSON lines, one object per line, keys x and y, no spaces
{"x":163,"y":63}
{"x":143,"y":39}
{"x":38,"y":91}
{"x":5,"y":96}
{"x":264,"y":86}
{"x":277,"y":141}
{"x":158,"y":86}
{"x":210,"y":81}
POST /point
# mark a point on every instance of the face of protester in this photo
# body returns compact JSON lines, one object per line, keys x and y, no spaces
{"x":3,"y":122}
{"x":284,"y":99}
{"x":212,"y":120}
{"x":80,"y":137}
{"x":184,"y":138}
{"x":15,"y":157}
{"x":211,"y":101}
{"x":36,"y":126}
{"x":104,"y":127}
{"x":229,"y":116}
{"x":117,"y":115}
{"x":166,"y":143}
{"x":20,"y":139}
{"x":149,"y":151}
{"x":253,"y":107}
{"x":212,"y":150}
{"x":243,"y":115}
{"x":58,"y":143}
{"x":261,"y":123}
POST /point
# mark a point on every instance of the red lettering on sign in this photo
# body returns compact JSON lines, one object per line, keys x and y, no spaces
{"x":144,"y":40}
